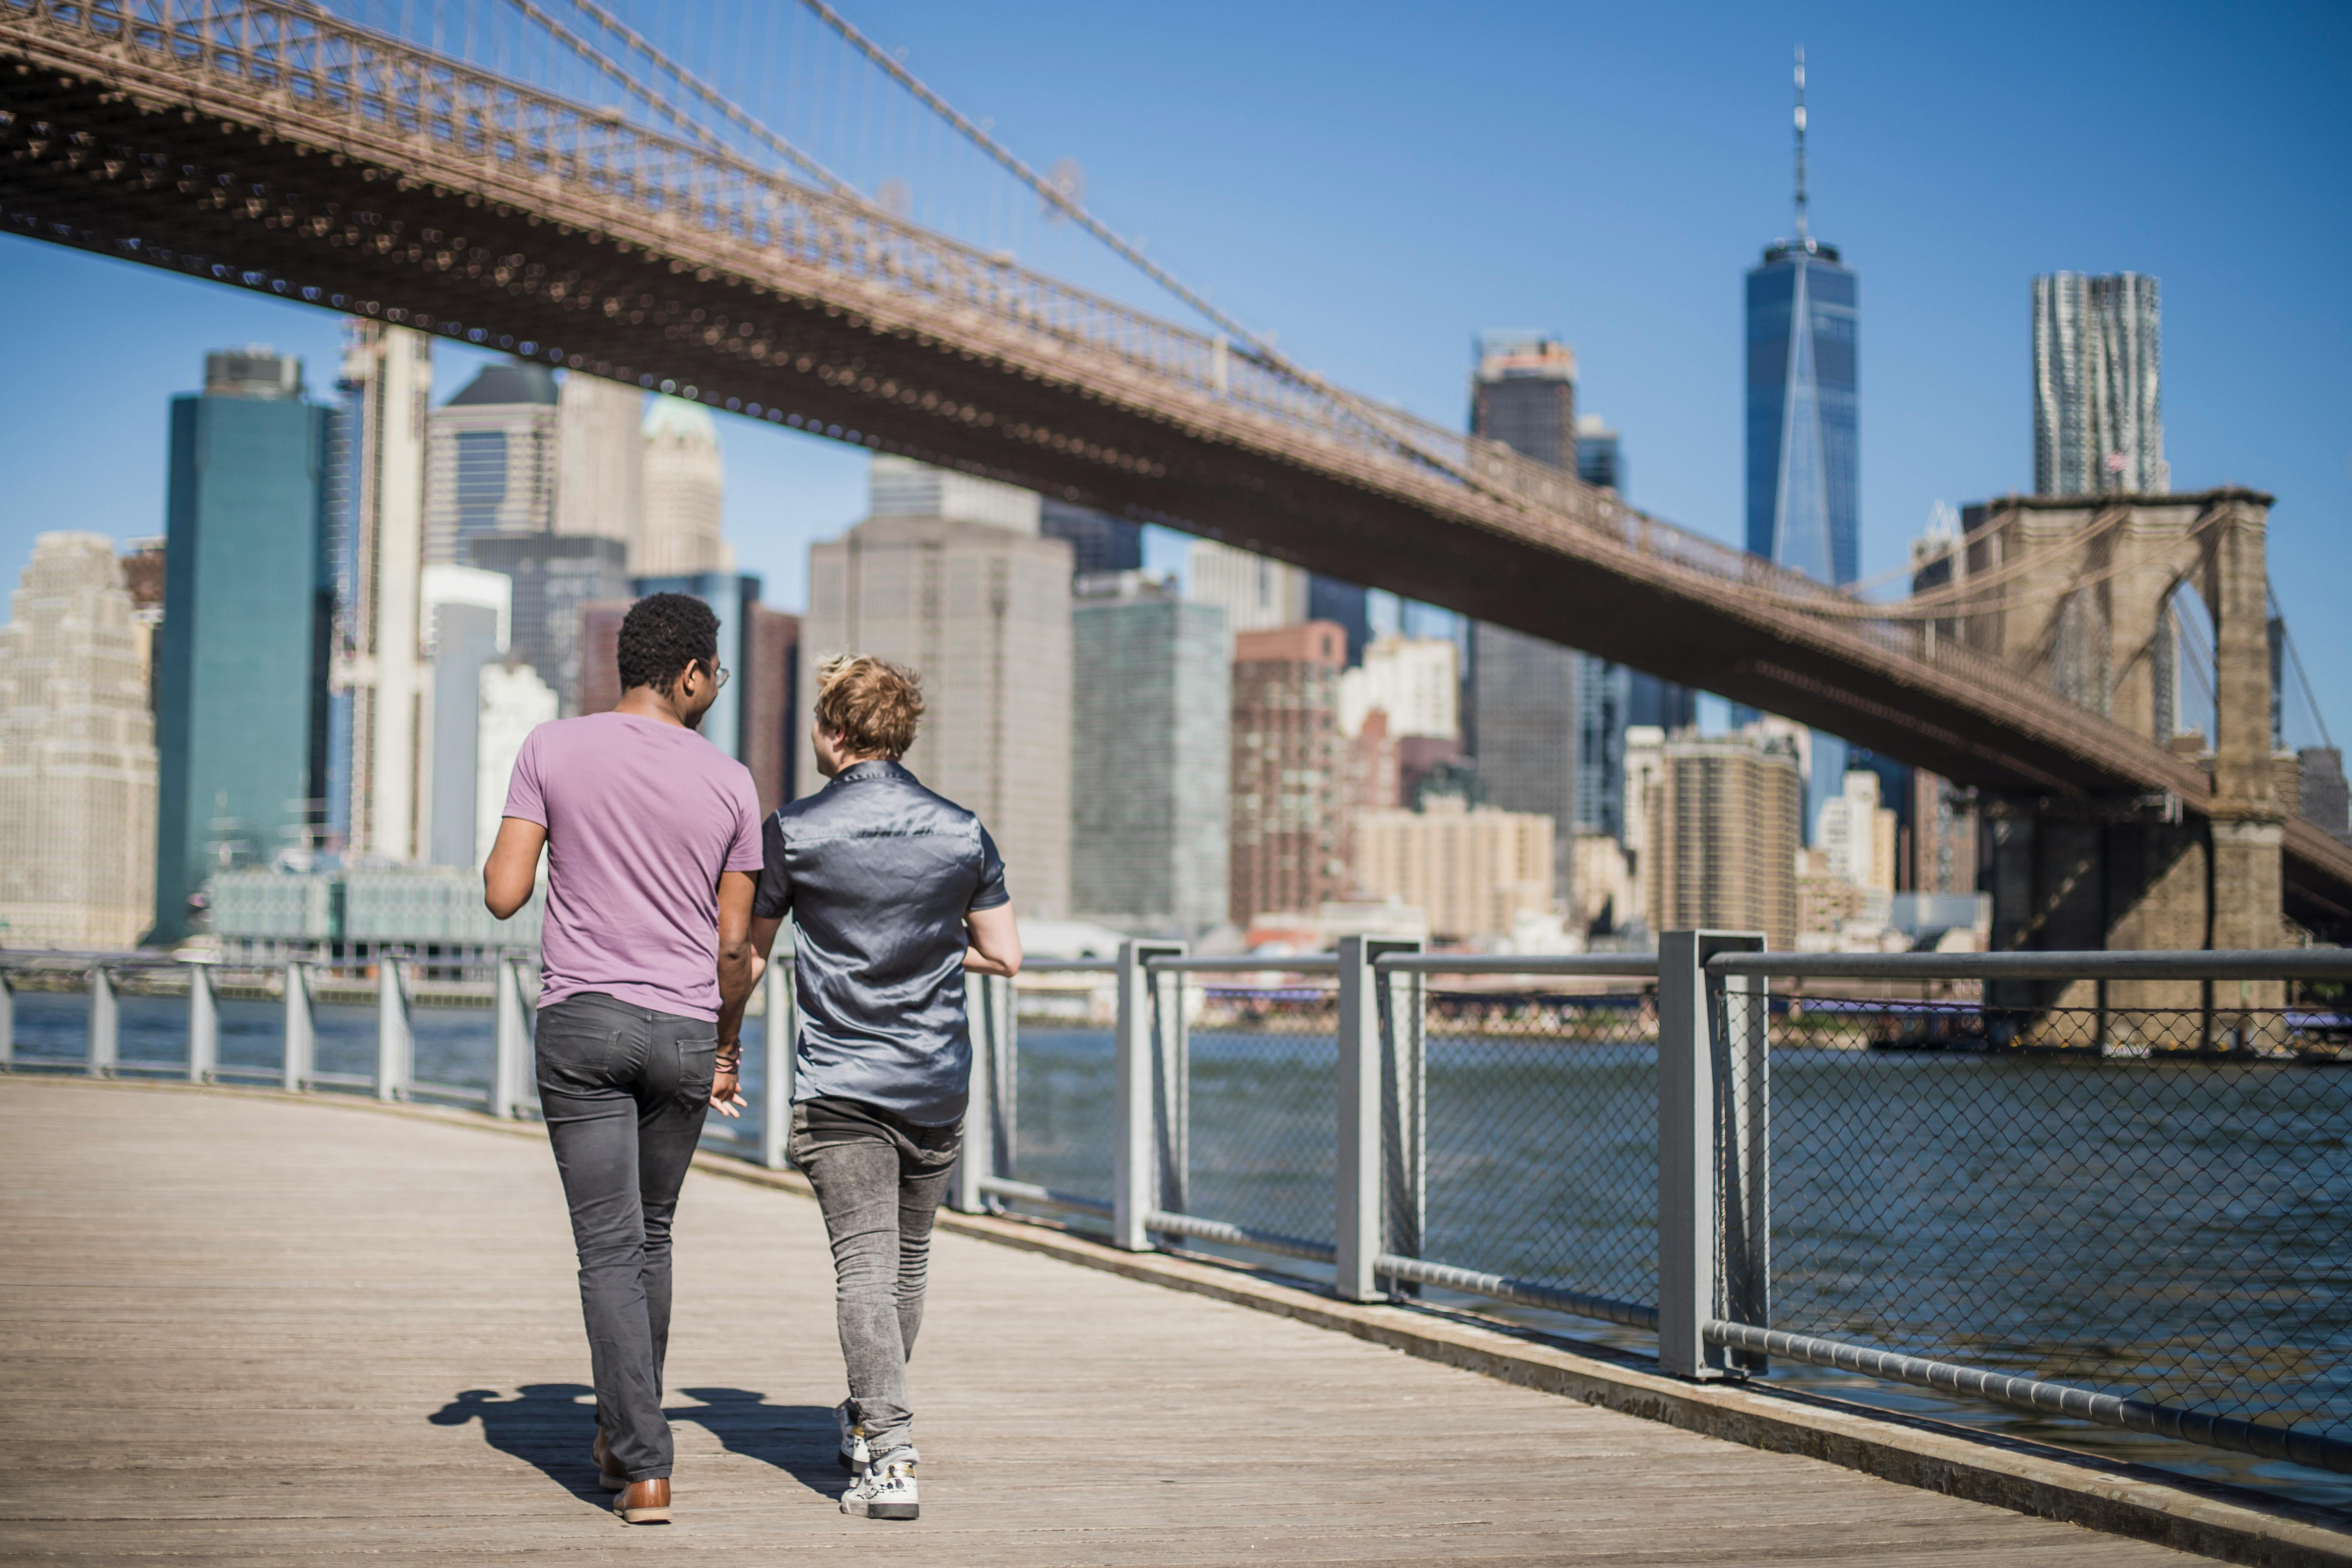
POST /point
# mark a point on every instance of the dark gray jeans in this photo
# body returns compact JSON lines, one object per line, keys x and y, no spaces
{"x":878,"y":1178}
{"x":624,"y":1089}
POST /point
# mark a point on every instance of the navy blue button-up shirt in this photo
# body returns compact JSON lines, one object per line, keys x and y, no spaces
{"x":877,"y":874}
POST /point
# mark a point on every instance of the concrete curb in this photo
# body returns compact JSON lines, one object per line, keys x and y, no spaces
{"x":2105,"y":1495}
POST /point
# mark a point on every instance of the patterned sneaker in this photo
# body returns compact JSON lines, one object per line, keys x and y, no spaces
{"x":887,"y":1491}
{"x":854,"y":1457}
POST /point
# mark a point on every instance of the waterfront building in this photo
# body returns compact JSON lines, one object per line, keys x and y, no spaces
{"x":1804,"y":442}
{"x":981,"y":611}
{"x":1720,"y":845}
{"x":379,"y":668}
{"x":1151,"y":710}
{"x":490,"y":460}
{"x":1599,"y":454}
{"x":552,"y":577}
{"x":1525,"y":734}
{"x":1288,"y":767}
{"x":1523,"y":395}
{"x":600,"y":656}
{"x":1475,"y":870}
{"x":77,"y":754}
{"x":600,"y":462}
{"x":513,"y":701}
{"x":1256,"y":591}
{"x":467,"y":619}
{"x":248,"y":622}
{"x":1943,"y":834}
{"x":2098,"y":415}
{"x":685,"y":493}
{"x":1416,"y":682}
{"x":1855,"y":836}
{"x":1348,"y":606}
{"x":1098,"y":541}
{"x":901,"y":487}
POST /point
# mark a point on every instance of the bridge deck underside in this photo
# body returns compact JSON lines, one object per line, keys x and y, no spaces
{"x":108,"y":153}
{"x":244,"y":1332}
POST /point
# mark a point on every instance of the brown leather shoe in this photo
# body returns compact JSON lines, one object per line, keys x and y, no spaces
{"x":644,"y":1502}
{"x":611,"y":1480}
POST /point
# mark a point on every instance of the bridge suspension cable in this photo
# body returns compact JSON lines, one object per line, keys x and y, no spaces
{"x":693,"y":84}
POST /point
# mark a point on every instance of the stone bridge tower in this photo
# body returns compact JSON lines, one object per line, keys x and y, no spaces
{"x":2080,"y":593}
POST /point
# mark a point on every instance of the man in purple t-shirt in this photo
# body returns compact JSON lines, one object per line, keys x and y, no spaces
{"x":653,"y":853}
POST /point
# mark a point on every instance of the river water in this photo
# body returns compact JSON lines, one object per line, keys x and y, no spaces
{"x":2180,"y":1231}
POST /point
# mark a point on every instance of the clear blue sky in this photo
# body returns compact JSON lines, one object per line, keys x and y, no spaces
{"x":1376,"y":182}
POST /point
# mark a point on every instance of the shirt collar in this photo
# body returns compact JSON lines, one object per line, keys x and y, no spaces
{"x":859,"y":772}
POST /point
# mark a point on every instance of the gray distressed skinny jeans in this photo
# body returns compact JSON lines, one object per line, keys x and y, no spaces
{"x":624,"y":1089}
{"x":878,"y":1180}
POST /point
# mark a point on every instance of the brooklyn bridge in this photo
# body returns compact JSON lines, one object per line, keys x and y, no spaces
{"x":270,"y":145}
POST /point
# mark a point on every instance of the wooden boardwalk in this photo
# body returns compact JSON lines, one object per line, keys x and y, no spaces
{"x":239,"y":1330}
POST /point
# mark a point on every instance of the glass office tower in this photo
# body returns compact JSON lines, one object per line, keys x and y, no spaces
{"x":249,"y":621}
{"x":1804,"y":453}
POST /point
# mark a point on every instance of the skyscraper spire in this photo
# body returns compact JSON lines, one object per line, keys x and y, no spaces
{"x":1801,"y":145}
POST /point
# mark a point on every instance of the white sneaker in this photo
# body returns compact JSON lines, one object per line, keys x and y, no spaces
{"x":853,"y":1455}
{"x":885,"y":1492}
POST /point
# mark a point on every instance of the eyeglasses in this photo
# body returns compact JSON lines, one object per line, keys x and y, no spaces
{"x":721,"y":675}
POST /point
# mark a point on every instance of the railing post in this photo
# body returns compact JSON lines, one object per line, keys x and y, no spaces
{"x":779,"y":1043}
{"x":301,"y":1029}
{"x":1362,"y":1170}
{"x":8,"y":1025}
{"x":395,"y":1049}
{"x":984,"y":1005}
{"x":1404,"y":1113}
{"x":1134,"y":1162}
{"x":510,"y":1072}
{"x":1746,"y":1178}
{"x":105,"y":1023}
{"x":1689,"y":1286}
{"x":204,"y":1025}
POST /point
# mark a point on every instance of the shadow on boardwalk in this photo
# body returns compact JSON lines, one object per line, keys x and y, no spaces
{"x":552,"y":1424}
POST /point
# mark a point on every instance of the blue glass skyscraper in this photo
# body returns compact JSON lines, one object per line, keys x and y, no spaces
{"x":1804,"y":457}
{"x":241,"y":714}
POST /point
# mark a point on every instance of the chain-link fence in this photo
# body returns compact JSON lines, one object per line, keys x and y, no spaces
{"x":1541,"y":1136}
{"x":2145,"y":1203}
{"x":1262,"y":1081}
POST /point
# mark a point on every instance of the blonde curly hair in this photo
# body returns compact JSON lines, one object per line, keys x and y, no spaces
{"x":872,"y":705}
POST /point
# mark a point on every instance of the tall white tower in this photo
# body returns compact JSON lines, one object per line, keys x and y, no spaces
{"x":684,"y":492}
{"x":388,"y":380}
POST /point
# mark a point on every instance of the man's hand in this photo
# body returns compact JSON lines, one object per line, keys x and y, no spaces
{"x":727,"y":1087}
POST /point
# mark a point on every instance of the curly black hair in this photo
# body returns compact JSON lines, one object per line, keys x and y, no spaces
{"x":661,"y":635}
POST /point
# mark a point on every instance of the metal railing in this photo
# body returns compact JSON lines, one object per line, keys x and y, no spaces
{"x":1681,"y":1153}
{"x":306,"y":1026}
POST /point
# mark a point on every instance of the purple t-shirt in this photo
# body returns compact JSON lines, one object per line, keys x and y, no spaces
{"x":641,"y":818}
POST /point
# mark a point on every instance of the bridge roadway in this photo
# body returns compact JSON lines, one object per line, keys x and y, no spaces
{"x":253,"y":1330}
{"x":267,"y":143}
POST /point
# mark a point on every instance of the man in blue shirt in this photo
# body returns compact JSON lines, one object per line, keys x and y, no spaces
{"x":894,"y":892}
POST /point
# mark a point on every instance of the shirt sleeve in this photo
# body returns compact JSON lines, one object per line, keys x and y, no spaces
{"x":991,"y":893}
{"x":743,"y":850}
{"x":524,"y":798}
{"x":773,"y":900}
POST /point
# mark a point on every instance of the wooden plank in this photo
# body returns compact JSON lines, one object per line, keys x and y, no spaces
{"x":258,"y":1331}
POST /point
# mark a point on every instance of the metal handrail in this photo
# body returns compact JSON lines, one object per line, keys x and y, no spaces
{"x":1243,"y":963}
{"x":1604,"y":965}
{"x":2286,"y":963}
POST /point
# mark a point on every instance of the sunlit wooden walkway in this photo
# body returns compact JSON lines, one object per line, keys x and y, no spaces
{"x":239,"y":1330}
